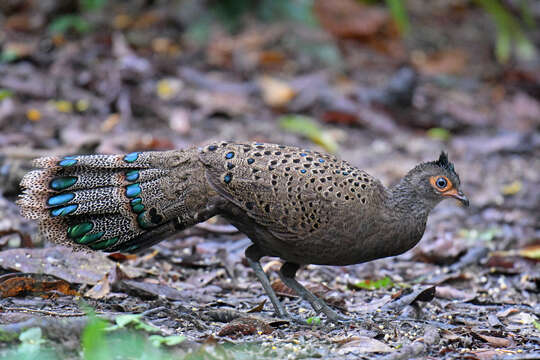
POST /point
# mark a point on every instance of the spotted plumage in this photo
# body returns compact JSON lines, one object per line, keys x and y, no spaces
{"x":303,"y":206}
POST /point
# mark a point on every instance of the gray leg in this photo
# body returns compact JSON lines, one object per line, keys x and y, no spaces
{"x":253,"y":255}
{"x":287,"y":273}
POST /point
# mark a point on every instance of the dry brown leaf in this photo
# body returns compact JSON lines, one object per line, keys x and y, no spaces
{"x":99,"y":290}
{"x":275,"y":92}
{"x":449,"y":61}
{"x":450,"y":292}
{"x":496,"y":341}
{"x":33,"y":284}
{"x":350,"y":18}
{"x":245,"y":326}
{"x":364,"y":344}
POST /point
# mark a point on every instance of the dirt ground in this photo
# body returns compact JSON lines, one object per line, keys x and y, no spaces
{"x":139,"y":81}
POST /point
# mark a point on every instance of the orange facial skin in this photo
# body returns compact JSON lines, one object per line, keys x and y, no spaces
{"x":449,"y":185}
{"x":449,"y":190}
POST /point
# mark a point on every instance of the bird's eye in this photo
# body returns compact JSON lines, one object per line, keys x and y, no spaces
{"x":441,"y":183}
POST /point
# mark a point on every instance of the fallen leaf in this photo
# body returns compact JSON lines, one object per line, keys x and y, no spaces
{"x":451,"y":293}
{"x":245,"y":326}
{"x":33,"y":115}
{"x":449,"y":61}
{"x":530,"y":252}
{"x":522,"y":318}
{"x":257,"y":308}
{"x":157,"y":290}
{"x":63,"y":263}
{"x":99,"y":290}
{"x":166,"y":89}
{"x":63,"y":106}
{"x":110,"y":122}
{"x":36,"y":284}
{"x":485,"y":354}
{"x":363,"y":344}
{"x":439,"y":134}
{"x":512,"y":189}
{"x":495,"y":341}
{"x":275,"y":92}
{"x":307,"y":127}
{"x":179,"y":121}
{"x":350,"y":18}
{"x":372,"y":285}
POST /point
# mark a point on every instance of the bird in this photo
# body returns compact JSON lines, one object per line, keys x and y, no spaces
{"x":302,"y":206}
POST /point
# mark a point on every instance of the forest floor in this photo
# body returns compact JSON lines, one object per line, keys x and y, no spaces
{"x":468,"y":290}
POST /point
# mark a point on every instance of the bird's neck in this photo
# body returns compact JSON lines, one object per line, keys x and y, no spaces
{"x":405,"y":202}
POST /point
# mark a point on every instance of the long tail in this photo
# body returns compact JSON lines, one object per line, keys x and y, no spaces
{"x":105,"y":202}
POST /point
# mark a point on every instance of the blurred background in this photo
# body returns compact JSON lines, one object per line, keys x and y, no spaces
{"x":382,"y":84}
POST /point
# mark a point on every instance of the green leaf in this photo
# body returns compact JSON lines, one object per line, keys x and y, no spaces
{"x":307,"y":127}
{"x":32,"y":336}
{"x":315,"y":320}
{"x":7,"y":56}
{"x":93,"y":339}
{"x":509,"y":31}
{"x":134,"y":320}
{"x":439,"y":134}
{"x":399,"y":14}
{"x":4,"y":94}
{"x":65,"y":23}
{"x":536,"y":324}
{"x":374,"y":285}
{"x":172,"y":340}
{"x":92,"y":5}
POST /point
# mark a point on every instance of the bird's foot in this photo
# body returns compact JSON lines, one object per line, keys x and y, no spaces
{"x":321,"y":307}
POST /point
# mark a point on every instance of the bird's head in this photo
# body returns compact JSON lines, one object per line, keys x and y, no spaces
{"x":435,"y":181}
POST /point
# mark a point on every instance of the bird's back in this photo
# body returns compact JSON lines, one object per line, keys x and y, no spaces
{"x":301,"y":205}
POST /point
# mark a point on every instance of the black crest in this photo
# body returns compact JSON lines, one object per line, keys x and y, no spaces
{"x":444,"y":163}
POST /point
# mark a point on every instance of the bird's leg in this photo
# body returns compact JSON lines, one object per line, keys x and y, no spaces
{"x":253,"y":255}
{"x":287,"y":273}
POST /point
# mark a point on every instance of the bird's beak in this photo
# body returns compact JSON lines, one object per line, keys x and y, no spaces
{"x":457,"y":195}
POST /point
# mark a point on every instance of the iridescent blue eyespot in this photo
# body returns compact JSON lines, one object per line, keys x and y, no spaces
{"x":250,"y":161}
{"x":79,"y":230}
{"x":303,"y":154}
{"x":229,"y":155}
{"x":212,"y":148}
{"x":88,"y":238}
{"x":142,"y":221}
{"x":131,"y":157}
{"x":133,"y":190}
{"x":227,"y":178}
{"x":132,"y":247}
{"x":321,"y":160}
{"x":105,"y":243}
{"x":132,"y":175}
{"x":60,"y":199}
{"x":67,"y":161}
{"x":137,"y":208}
{"x":61,"y":183}
{"x":345,"y":173}
{"x":135,"y":201}
{"x":63,"y":211}
{"x":303,"y":171}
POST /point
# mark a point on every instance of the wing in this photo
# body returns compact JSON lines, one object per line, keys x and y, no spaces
{"x":290,"y":191}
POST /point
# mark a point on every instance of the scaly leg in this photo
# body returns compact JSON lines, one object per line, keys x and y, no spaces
{"x":287,"y":273}
{"x":253,"y":255}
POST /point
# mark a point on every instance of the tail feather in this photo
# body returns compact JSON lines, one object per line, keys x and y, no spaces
{"x":105,"y":202}
{"x":132,"y":160}
{"x":54,"y":180}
